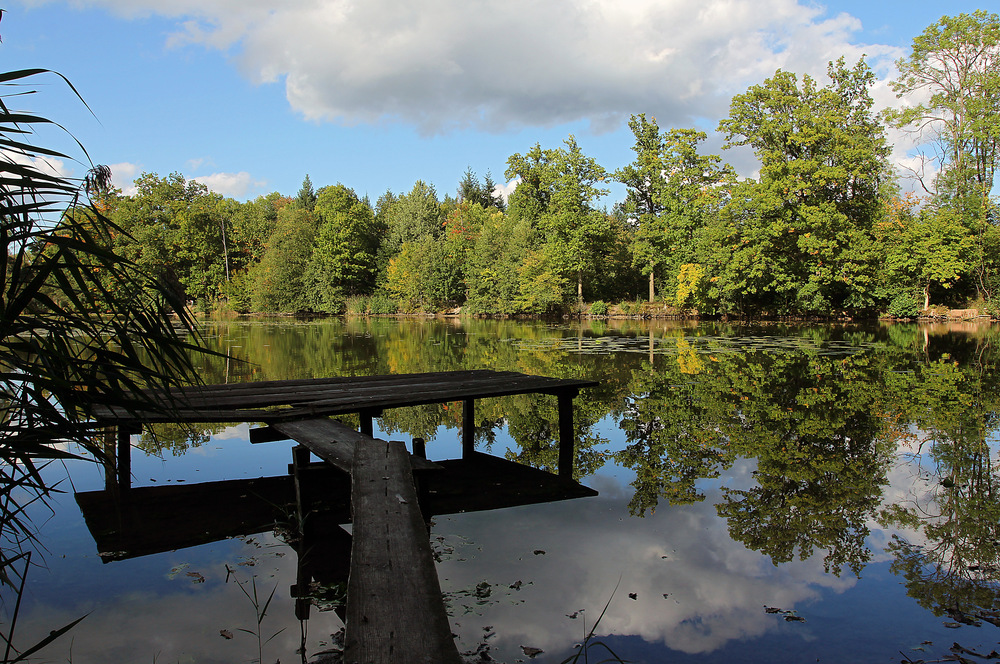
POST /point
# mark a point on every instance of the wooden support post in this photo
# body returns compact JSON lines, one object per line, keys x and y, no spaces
{"x":567,"y":436}
{"x":468,"y":427}
{"x":110,"y":445}
{"x":419,"y":448}
{"x":366,"y":427}
{"x":123,"y":457}
{"x":300,"y":461}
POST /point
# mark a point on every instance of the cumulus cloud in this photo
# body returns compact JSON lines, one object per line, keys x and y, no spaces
{"x":499,"y":64}
{"x":123,"y":176}
{"x":236,"y":185}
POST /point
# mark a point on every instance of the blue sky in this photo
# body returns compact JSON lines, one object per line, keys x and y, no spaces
{"x":249,"y":96}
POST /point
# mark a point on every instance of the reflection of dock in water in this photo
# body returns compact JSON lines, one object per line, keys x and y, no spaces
{"x":394,"y":607}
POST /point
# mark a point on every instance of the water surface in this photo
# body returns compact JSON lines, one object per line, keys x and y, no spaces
{"x":767,"y":493}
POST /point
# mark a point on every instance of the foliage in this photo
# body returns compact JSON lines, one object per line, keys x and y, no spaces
{"x":82,"y":328}
{"x":951,"y":80}
{"x":672,"y":192}
{"x":279,"y":277}
{"x":557,"y":192}
{"x":599,"y":308}
{"x":799,"y":238}
{"x":343,"y":259}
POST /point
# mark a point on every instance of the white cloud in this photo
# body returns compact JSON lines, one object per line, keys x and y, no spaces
{"x":236,"y":185}
{"x":123,"y":177}
{"x":497,"y":64}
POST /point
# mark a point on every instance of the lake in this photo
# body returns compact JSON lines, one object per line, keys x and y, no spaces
{"x":771,"y":493}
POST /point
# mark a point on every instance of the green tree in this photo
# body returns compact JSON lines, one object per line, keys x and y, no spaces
{"x":951,"y":81}
{"x":951,"y":84}
{"x":343,"y":260}
{"x":307,"y":195}
{"x":558,"y":191}
{"x":672,"y":190}
{"x":472,"y":191}
{"x":799,"y":237}
{"x":278,"y":280}
{"x":929,"y":247}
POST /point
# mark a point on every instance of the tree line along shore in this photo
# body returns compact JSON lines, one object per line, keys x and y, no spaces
{"x":827,"y":228}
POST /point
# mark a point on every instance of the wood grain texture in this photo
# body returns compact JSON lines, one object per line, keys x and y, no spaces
{"x":395,"y":613}
{"x":335,"y":442}
{"x":280,"y":401}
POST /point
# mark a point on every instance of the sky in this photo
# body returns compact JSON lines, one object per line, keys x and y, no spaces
{"x":249,"y":96}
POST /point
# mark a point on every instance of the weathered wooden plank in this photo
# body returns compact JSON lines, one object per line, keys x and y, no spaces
{"x":221,"y":395}
{"x":327,"y":397}
{"x":334,"y":441}
{"x":395,"y":613}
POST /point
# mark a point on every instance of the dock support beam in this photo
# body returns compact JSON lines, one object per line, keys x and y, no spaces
{"x":567,"y":436}
{"x":468,"y":427}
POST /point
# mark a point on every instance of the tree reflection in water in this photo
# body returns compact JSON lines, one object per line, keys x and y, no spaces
{"x":794,"y":437}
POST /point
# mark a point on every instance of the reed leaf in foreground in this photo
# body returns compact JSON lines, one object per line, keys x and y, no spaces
{"x":80,"y":327}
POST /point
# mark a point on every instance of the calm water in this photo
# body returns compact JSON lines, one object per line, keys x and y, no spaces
{"x":772,"y":494}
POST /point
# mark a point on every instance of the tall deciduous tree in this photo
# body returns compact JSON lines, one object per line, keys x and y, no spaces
{"x":343,"y":258}
{"x":951,"y":83}
{"x":799,"y":237}
{"x":671,"y":191}
{"x":558,"y":191}
{"x":277,"y":281}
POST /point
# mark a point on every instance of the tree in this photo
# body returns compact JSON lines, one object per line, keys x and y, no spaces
{"x":343,"y":258}
{"x":472,"y":191}
{"x":277,"y":281}
{"x":558,"y":192}
{"x":799,"y":237}
{"x":951,"y":80}
{"x":306,"y":196}
{"x":923,"y":248}
{"x":671,"y":191}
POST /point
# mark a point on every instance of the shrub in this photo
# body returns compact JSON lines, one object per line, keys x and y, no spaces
{"x":599,"y":308}
{"x":381,"y":304}
{"x":904,"y":305}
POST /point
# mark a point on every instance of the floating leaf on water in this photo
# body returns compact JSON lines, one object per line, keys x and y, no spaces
{"x":952,"y":625}
{"x":538,"y":552}
{"x":794,"y":618}
{"x":531,"y":652}
{"x":572,"y":616}
{"x":516,"y":585}
{"x":226,"y":634}
{"x":196,"y":577}
{"x":773,"y":609}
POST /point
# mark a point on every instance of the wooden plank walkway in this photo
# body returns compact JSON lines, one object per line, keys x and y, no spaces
{"x":335,"y":442}
{"x":395,"y":613}
{"x":282,"y":401}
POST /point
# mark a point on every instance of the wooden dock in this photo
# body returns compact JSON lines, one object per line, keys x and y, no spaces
{"x":395,"y":612}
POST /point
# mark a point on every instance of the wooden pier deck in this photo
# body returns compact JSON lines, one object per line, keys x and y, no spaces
{"x":395,"y":612}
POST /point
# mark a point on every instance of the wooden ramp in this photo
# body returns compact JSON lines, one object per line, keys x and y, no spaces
{"x":395,"y":612}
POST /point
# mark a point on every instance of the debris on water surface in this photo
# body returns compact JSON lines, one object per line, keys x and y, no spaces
{"x":226,"y":634}
{"x":531,"y":652}
{"x":634,"y":596}
{"x":538,"y":552}
{"x":516,"y":585}
{"x":787,"y":614}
